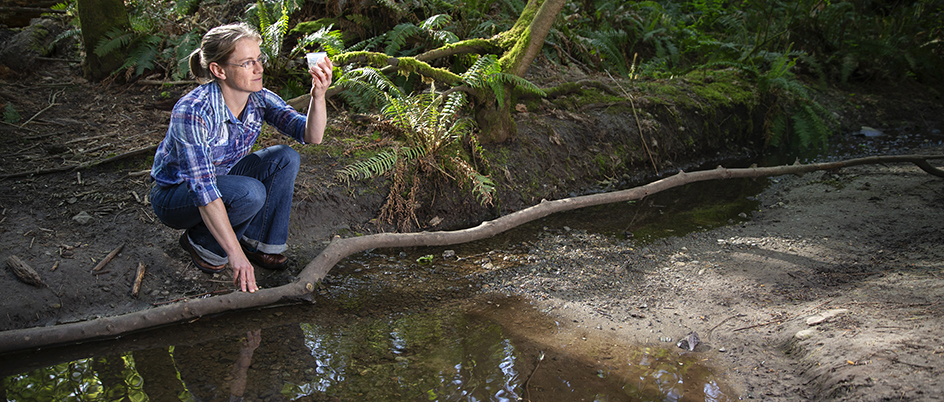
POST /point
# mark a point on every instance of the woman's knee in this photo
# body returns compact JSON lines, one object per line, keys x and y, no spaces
{"x":285,"y":155}
{"x":242,"y":193}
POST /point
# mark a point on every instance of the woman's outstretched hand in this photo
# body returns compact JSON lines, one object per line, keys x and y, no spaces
{"x":321,"y":77}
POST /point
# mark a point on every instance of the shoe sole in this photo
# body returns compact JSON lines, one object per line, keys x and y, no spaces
{"x":197,"y":261}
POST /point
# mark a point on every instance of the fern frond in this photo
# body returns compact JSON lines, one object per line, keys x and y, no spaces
{"x":365,"y":87}
{"x":144,"y":54}
{"x":397,"y":37}
{"x":377,"y":165}
{"x":432,"y":27}
{"x":329,"y":41}
{"x":114,"y":39}
{"x":482,"y":186}
{"x":809,"y":127}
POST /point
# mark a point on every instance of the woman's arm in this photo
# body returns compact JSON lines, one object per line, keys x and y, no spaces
{"x":215,"y":217}
{"x":317,"y":111}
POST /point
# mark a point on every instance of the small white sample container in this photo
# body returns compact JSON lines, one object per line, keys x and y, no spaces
{"x":315,"y":58}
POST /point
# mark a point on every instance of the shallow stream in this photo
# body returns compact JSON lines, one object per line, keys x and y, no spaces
{"x":392,"y":325}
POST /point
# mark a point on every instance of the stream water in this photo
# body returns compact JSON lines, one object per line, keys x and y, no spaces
{"x":388,"y":327}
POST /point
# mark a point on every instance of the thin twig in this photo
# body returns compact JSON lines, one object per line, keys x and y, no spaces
{"x":708,"y":338}
{"x":84,"y":165}
{"x":758,"y":325}
{"x":192,"y":297}
{"x":108,"y":258}
{"x":51,"y":104}
{"x":636,"y":117}
{"x":528,"y":381}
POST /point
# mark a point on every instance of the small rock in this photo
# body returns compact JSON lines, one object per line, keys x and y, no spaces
{"x":870,"y":132}
{"x":83,"y":218}
{"x":821,"y":318}
{"x":805,"y":334}
{"x":689,"y":342}
{"x":449,"y":255}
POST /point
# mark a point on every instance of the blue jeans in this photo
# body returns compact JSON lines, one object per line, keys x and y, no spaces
{"x":257,"y":194}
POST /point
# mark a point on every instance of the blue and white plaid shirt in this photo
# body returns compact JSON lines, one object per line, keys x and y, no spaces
{"x":205,"y":140}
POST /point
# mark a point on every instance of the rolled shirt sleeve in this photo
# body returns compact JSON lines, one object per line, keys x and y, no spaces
{"x":204,"y":140}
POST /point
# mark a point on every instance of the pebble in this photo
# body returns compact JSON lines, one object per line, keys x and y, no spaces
{"x":805,"y":334}
{"x":821,"y":318}
{"x":83,"y":218}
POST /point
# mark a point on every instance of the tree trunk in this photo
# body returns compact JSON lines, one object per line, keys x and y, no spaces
{"x":98,"y":17}
{"x":317,"y":269}
{"x":523,"y":42}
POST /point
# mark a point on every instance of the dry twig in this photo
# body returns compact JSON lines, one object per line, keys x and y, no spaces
{"x":108,"y":258}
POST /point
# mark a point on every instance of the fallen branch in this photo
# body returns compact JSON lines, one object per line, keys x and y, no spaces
{"x":138,"y":278}
{"x":24,"y":272}
{"x":85,"y":165}
{"x":108,"y":258}
{"x":52,"y":103}
{"x":301,"y":289}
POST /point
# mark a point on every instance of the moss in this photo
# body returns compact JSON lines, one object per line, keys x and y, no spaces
{"x":474,"y":43}
{"x":372,"y":58}
{"x":307,"y":27}
{"x":722,"y":87}
{"x":601,"y":162}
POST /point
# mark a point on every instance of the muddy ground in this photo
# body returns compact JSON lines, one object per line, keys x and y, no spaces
{"x":865,"y":244}
{"x":831,"y":290}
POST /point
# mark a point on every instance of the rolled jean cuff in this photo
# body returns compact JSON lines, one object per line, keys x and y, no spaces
{"x":208,"y":256}
{"x":262,"y":247}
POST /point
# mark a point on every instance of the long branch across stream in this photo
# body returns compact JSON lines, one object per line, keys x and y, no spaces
{"x":413,"y":324}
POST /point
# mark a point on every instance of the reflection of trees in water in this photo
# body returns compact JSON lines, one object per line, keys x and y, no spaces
{"x":421,"y":356}
{"x":441,"y":355}
{"x":104,"y":378}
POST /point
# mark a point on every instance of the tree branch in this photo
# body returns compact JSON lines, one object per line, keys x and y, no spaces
{"x":317,"y":269}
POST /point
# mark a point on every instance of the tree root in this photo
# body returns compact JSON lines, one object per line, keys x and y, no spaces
{"x":317,"y":269}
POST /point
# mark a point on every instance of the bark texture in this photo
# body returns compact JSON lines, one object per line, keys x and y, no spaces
{"x":98,"y":17}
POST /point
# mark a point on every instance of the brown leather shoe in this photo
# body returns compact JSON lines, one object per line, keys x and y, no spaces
{"x":201,"y":265}
{"x":267,"y":261}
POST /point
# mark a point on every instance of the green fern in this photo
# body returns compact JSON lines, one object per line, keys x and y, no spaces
{"x":398,"y":36}
{"x":272,"y":21}
{"x":114,"y":39}
{"x":809,"y":126}
{"x":325,"y":39}
{"x":377,"y":165}
{"x":486,"y":73}
{"x":365,"y":88}
{"x":144,"y":54}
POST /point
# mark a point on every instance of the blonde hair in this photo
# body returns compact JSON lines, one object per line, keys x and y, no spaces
{"x":217,"y":45}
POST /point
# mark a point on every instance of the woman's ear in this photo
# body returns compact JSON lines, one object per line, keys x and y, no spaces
{"x":217,"y":71}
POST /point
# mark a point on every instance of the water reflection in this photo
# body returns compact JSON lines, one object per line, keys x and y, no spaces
{"x":477,"y":352}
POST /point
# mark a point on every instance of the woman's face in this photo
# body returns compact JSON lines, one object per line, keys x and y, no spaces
{"x":242,"y":72}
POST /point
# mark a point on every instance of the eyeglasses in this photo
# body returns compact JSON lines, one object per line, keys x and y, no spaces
{"x":250,"y":64}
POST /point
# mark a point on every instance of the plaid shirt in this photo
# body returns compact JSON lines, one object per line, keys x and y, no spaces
{"x":205,"y":140}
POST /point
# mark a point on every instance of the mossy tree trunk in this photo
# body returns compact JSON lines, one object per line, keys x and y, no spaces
{"x":522,"y":44}
{"x":97,"y":18}
{"x":517,"y":48}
